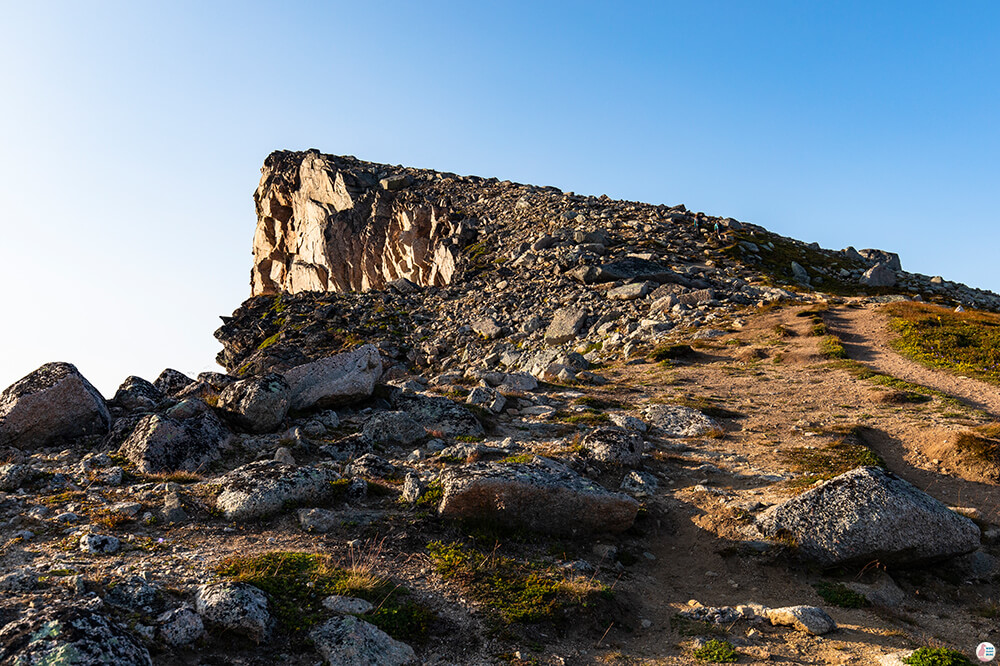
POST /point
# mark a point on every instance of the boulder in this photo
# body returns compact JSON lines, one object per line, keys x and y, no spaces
{"x":487,"y":398}
{"x":266,"y":487}
{"x":633,"y":269}
{"x":52,"y":405}
{"x":395,"y":427}
{"x":171,"y":382}
{"x":543,"y":496}
{"x":808,"y":619}
{"x":237,"y":607}
{"x":614,"y":446}
{"x":340,"y":379}
{"x":870,"y":514}
{"x":488,"y":328}
{"x":162,"y":443}
{"x":69,"y":635}
{"x":875,"y":257}
{"x":566,"y":323}
{"x":879,"y":275}
{"x":12,"y":475}
{"x":256,"y":405}
{"x":136,"y":394}
{"x":678,"y":421}
{"x":443,"y":417}
{"x":180,"y":626}
{"x":350,"y":641}
{"x":100,"y":544}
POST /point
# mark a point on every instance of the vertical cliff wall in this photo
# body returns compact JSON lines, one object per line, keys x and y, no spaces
{"x":327,"y":223}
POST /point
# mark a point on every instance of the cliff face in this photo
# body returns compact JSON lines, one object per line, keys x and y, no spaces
{"x":328,"y":223}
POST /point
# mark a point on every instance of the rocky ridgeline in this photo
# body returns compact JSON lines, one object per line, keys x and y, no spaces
{"x":412,"y":338}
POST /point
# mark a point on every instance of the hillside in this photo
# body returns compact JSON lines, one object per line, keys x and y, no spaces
{"x":470,"y":421}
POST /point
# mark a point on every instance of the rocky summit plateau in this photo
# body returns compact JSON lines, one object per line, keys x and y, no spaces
{"x":465,"y":420}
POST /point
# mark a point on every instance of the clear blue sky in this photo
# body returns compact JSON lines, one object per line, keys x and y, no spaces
{"x":132,"y":134}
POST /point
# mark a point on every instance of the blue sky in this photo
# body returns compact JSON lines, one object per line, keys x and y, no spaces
{"x":132,"y":135}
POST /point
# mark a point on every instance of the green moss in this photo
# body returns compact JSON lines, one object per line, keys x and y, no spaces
{"x":523,"y":458}
{"x":937,"y":657}
{"x":839,"y":594}
{"x":269,"y":341}
{"x":832,"y":348}
{"x":717,"y":652}
{"x":432,"y":495}
{"x":518,"y":591}
{"x":821,"y":464}
{"x":468,"y":439}
{"x":296,"y":583}
{"x":966,"y":342}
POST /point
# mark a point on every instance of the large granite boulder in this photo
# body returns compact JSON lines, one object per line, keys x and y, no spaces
{"x":335,"y":380}
{"x":186,"y":438}
{"x":350,"y":641}
{"x":615,"y":446}
{"x":237,"y":607}
{"x":137,"y":395}
{"x":258,"y":404}
{"x":266,"y":487}
{"x":566,"y":323}
{"x":52,"y":405}
{"x":543,"y":496}
{"x":870,"y":514}
{"x":72,"y":636}
{"x":678,"y":421}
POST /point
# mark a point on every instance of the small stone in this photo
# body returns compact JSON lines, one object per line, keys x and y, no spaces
{"x":808,"y":619}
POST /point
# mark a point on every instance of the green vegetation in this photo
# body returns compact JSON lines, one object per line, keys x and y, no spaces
{"x":432,"y":495}
{"x":518,"y":591}
{"x":913,"y":391}
{"x":967,"y":342}
{"x":981,"y":444}
{"x":586,"y":417}
{"x":598,"y":403}
{"x":839,"y":594}
{"x":837,"y":457}
{"x":937,"y":657}
{"x":296,"y":584}
{"x":269,"y":341}
{"x":708,"y":407}
{"x":669,"y":352}
{"x":717,"y":652}
{"x":831,"y":347}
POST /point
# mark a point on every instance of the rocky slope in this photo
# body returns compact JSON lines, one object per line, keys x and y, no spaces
{"x":469,"y":421}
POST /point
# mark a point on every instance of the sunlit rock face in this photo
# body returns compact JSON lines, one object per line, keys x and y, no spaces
{"x":327,"y":223}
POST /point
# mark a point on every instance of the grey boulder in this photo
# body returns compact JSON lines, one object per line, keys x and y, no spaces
{"x":237,"y":607}
{"x":163,"y":443}
{"x":870,"y":514}
{"x":52,"y":405}
{"x":807,"y":619}
{"x":566,"y":323}
{"x":71,"y":636}
{"x":136,"y":394}
{"x":350,"y":641}
{"x":256,"y":405}
{"x":678,"y":421}
{"x":263,"y":488}
{"x":879,"y":275}
{"x":614,"y":446}
{"x":395,"y":427}
{"x":543,"y":496}
{"x":336,"y":380}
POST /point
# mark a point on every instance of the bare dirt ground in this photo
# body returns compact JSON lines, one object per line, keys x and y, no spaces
{"x":793,"y":398}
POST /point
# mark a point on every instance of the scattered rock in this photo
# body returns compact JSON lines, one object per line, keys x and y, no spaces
{"x":566,"y":323}
{"x":100,"y":544}
{"x":678,"y":421}
{"x":396,"y":427}
{"x":614,"y":446}
{"x":160,"y":443}
{"x":180,"y":626}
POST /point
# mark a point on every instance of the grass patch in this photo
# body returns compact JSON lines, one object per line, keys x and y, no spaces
{"x":837,"y":457}
{"x":966,"y":342}
{"x":717,"y":652}
{"x":586,"y":417}
{"x":831,"y":347}
{"x":708,"y":407}
{"x":173,"y":477}
{"x":839,"y":594}
{"x":862,"y":371}
{"x":927,"y":656}
{"x":296,"y":584}
{"x":598,"y":403}
{"x":672,"y":352}
{"x":518,"y":591}
{"x":981,"y":444}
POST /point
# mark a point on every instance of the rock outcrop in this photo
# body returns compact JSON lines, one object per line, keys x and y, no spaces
{"x":327,"y":223}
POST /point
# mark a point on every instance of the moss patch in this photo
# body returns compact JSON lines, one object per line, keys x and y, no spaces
{"x":717,"y":652}
{"x":926,"y":656}
{"x":967,"y":342}
{"x":839,"y":594}
{"x":296,"y":584}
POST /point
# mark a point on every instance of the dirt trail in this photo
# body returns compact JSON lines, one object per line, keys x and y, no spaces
{"x":866,"y":337}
